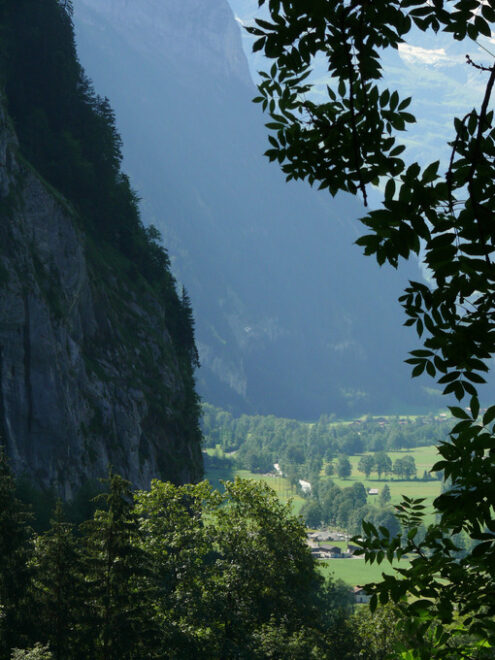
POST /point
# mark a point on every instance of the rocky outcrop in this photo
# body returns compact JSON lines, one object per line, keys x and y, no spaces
{"x":88,"y":373}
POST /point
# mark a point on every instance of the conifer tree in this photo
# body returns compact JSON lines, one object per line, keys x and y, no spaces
{"x":15,"y":552}
{"x":58,"y":587}
{"x":114,"y":567}
{"x":187,"y":327}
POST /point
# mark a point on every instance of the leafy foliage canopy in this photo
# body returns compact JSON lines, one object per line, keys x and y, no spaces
{"x":171,"y":572}
{"x":347,"y":142}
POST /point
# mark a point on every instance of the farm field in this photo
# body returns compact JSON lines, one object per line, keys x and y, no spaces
{"x":351,"y":571}
{"x":425,"y":457}
{"x":260,"y":442}
{"x":356,"y":571}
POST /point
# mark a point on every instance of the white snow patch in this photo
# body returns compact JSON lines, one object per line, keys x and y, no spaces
{"x":433,"y":56}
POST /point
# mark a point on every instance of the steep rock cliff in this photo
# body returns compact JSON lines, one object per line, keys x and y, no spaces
{"x":291,"y":319}
{"x":88,"y":372}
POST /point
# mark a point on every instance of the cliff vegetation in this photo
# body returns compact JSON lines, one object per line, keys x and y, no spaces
{"x":97,"y":350}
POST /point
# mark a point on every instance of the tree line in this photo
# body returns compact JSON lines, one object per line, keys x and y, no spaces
{"x":404,"y":467}
{"x":172,"y":572}
{"x":302,"y":447}
{"x":345,"y":508}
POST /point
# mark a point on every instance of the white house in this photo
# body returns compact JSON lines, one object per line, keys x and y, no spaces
{"x":305,"y":486}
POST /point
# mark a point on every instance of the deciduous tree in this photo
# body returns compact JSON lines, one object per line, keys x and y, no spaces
{"x":404,"y":467}
{"x":344,"y":467}
{"x":366,"y":464}
{"x":383,"y":463}
{"x":348,"y":141}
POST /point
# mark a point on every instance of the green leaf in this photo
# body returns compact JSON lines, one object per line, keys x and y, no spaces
{"x":390,"y":189}
{"x":430,"y":369}
{"x":489,"y":416}
{"x":259,"y":44}
{"x":431,"y":172}
{"x":474,"y":377}
{"x":475,"y":406}
{"x":394,"y":100}
{"x":482,"y":26}
{"x":418,"y":370}
{"x":460,"y":413}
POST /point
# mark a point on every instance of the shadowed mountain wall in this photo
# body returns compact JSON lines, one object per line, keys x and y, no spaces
{"x":291,"y":319}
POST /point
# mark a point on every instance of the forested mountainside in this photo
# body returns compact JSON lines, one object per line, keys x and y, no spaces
{"x":291,"y":319}
{"x":96,"y":347}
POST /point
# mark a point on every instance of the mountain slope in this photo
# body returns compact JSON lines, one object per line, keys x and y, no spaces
{"x":291,"y":319}
{"x":93,"y":366}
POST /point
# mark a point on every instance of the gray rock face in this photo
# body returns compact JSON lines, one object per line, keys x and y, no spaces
{"x":88,"y":374}
{"x":191,"y":31}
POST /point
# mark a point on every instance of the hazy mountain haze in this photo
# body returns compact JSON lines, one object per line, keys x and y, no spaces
{"x":208,"y":36}
{"x":291,"y":319}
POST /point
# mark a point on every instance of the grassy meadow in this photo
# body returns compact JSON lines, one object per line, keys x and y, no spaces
{"x":425,"y":458}
{"x":279,"y":484}
{"x":356,"y":571}
{"x":351,"y":571}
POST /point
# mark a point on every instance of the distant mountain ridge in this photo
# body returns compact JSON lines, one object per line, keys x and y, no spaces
{"x":210,"y":35}
{"x":291,"y":319}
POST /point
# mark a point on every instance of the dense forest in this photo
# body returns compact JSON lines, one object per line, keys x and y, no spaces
{"x":174,"y":572}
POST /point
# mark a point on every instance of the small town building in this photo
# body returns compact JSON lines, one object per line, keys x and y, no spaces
{"x":320,"y":536}
{"x":332,"y":549}
{"x":360,"y":595}
{"x":305,"y":486}
{"x":319,"y":553}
